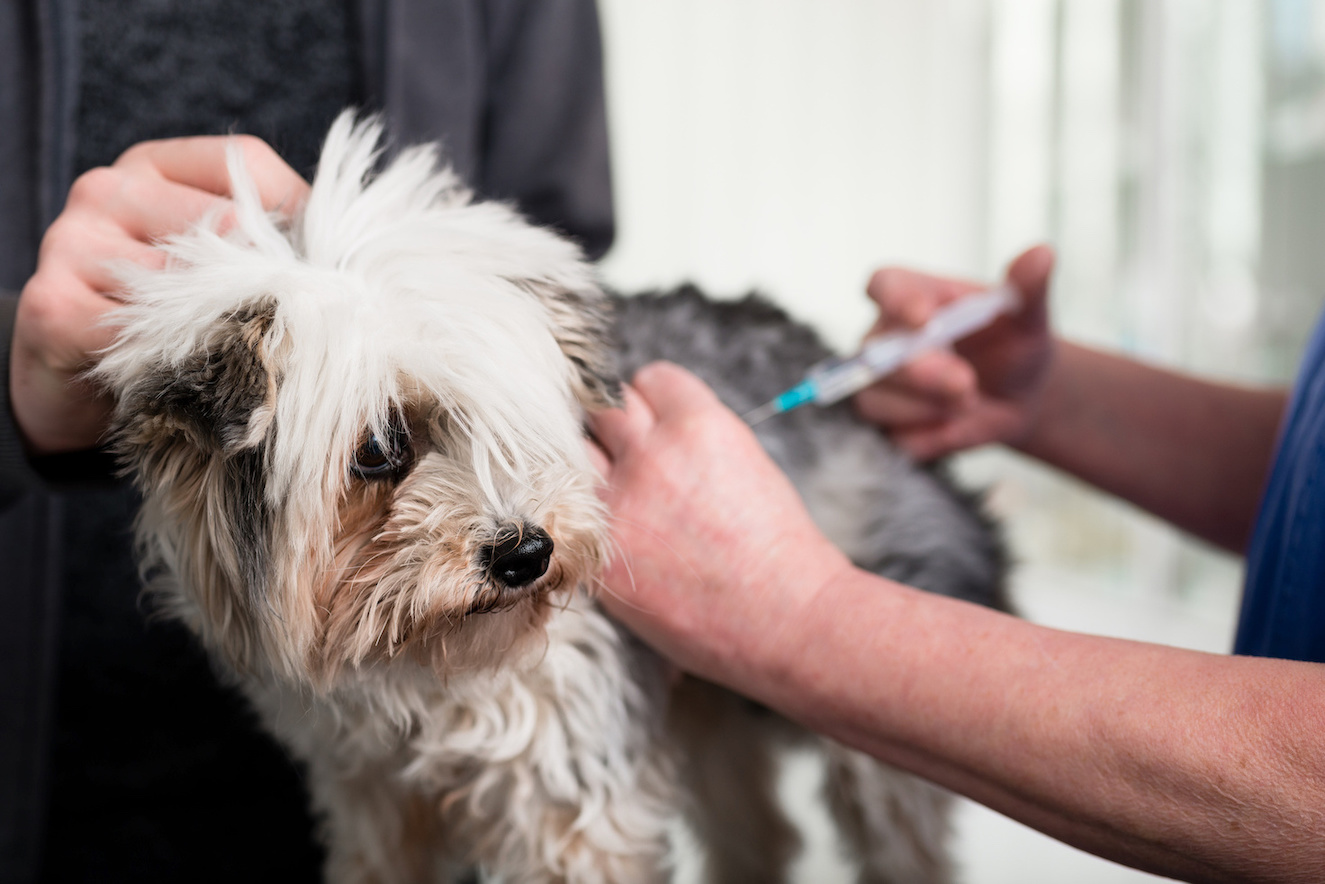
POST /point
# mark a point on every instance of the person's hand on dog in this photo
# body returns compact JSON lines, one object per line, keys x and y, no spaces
{"x":715,"y":552}
{"x":113,"y":215}
{"x":984,"y":390}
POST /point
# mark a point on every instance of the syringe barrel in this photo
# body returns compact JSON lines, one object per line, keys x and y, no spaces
{"x":836,"y":379}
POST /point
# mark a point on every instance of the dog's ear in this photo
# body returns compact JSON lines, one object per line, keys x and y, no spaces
{"x":193,"y":432}
{"x":582,"y":324}
{"x":220,"y":398}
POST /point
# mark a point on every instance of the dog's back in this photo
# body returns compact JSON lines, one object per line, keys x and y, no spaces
{"x":901,"y":520}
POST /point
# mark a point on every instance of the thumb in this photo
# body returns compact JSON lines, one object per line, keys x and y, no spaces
{"x":671,"y":391}
{"x":1029,"y":273}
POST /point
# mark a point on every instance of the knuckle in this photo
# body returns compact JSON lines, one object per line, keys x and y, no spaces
{"x":43,"y":306}
{"x":65,"y":241}
{"x":53,"y":242}
{"x":879,"y":282}
{"x":95,"y":187}
{"x":883,"y":277}
{"x":137,"y":154}
{"x":893,"y":289}
{"x":256,"y":152}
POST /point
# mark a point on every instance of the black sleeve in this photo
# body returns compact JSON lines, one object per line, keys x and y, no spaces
{"x":28,"y":599}
{"x":16,"y":473}
{"x":19,"y":472}
{"x":544,"y":133}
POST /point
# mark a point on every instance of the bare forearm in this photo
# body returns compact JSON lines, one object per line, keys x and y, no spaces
{"x":1191,"y":765}
{"x":1192,"y":452}
{"x":1209,"y":768}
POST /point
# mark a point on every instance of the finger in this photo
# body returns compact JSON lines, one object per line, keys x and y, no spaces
{"x":617,"y":429}
{"x":103,"y":266}
{"x":108,"y":276}
{"x":94,"y":250}
{"x":66,"y":315}
{"x":1029,"y":273}
{"x":939,"y":375}
{"x":142,"y":205}
{"x":927,"y":443}
{"x":671,"y":391}
{"x":908,"y":298}
{"x":602,"y":464}
{"x":921,"y":444}
{"x":895,"y":410}
{"x":201,"y":163}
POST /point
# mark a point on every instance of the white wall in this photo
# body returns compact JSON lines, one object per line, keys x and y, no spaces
{"x":792,"y":146}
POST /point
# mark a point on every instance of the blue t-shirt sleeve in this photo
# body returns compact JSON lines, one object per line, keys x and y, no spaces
{"x":1283,"y":606}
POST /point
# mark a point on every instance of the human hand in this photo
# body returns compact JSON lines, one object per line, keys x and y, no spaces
{"x":986,"y":389}
{"x":113,"y":214}
{"x":716,"y":553}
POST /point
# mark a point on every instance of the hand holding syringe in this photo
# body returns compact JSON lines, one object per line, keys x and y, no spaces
{"x":835,"y":379}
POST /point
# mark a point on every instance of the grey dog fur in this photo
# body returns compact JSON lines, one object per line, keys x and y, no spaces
{"x":898,"y":519}
{"x":901,"y":520}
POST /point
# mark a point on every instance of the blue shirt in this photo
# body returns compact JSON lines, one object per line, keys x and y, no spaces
{"x":1283,"y":606}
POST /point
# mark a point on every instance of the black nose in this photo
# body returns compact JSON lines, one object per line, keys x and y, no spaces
{"x":518,"y":558}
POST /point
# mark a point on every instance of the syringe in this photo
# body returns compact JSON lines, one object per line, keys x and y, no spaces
{"x":835,"y":378}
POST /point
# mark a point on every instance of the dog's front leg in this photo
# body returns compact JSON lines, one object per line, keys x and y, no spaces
{"x":519,"y":828}
{"x":557,"y":772}
{"x":378,"y":830}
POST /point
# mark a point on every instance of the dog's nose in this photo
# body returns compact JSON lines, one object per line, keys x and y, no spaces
{"x":520,"y":557}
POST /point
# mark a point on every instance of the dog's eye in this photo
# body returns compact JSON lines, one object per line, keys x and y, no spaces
{"x":383,"y":454}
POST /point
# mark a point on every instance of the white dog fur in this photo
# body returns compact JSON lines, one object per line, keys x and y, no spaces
{"x":366,"y":489}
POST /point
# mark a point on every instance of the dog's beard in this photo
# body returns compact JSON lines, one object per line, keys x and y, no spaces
{"x":391,"y":569}
{"x":412,"y":575}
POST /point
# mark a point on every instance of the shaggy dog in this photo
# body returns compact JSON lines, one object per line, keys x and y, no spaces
{"x":359,"y":438}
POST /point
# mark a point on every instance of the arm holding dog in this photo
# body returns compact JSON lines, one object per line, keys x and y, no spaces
{"x":113,"y":214}
{"x":1187,"y":764}
{"x":1192,"y":452}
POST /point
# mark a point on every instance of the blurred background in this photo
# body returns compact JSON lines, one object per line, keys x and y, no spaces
{"x":1172,"y":150}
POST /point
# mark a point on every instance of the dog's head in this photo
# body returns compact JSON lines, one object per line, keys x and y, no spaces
{"x":359,"y":433}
